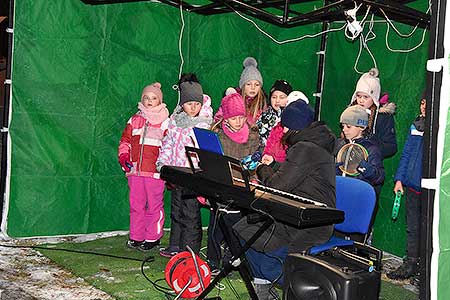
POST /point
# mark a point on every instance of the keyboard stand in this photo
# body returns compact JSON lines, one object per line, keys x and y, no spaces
{"x":238,"y":253}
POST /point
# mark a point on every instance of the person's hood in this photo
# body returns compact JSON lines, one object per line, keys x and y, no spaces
{"x":388,"y":108}
{"x":317,"y":133}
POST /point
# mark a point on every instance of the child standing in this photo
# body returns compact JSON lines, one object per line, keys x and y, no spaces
{"x":238,"y":141}
{"x":250,"y":88}
{"x":138,"y":151}
{"x":354,"y":120}
{"x":381,"y":120}
{"x":194,"y":110}
{"x":271,"y":116}
{"x":409,"y":175}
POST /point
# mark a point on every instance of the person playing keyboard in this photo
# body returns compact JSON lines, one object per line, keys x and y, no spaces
{"x":308,"y":171}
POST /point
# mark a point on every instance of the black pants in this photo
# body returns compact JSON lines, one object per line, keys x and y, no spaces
{"x":216,"y":236}
{"x":413,"y":208}
{"x":185,"y":218}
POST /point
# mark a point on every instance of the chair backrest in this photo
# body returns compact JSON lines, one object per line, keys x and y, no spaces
{"x":357,"y":199}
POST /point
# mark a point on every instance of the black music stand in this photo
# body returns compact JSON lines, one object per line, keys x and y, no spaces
{"x":220,"y":168}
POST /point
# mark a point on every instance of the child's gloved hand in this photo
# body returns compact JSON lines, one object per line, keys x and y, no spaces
{"x":366,"y":169}
{"x":338,"y":169}
{"x":125,"y":163}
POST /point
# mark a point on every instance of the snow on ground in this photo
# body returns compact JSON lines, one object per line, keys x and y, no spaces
{"x":26,"y":274}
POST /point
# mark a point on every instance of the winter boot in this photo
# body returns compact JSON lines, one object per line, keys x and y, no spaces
{"x":266,"y":292}
{"x":406,"y":270}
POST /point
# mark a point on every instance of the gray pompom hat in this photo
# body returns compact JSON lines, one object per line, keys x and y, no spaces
{"x":250,"y":72}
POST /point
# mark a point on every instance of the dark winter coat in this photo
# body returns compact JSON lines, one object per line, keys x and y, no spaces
{"x":409,"y":170}
{"x":384,"y":133}
{"x":308,"y":171}
{"x":375,"y":158}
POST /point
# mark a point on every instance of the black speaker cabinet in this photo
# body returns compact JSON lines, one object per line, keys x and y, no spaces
{"x":328,"y":278}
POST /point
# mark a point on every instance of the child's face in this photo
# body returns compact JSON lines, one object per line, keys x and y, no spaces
{"x":278,"y":99}
{"x":423,"y":107}
{"x":363,"y":99}
{"x":192,"y":108}
{"x":150,"y":99}
{"x":252,"y":88}
{"x":237,"y":122}
{"x":352,"y":132}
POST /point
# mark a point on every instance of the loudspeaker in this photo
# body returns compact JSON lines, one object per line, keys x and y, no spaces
{"x":328,"y":278}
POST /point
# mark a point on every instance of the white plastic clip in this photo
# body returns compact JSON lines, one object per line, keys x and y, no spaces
{"x":435,"y":65}
{"x":4,"y":129}
{"x":322,"y":52}
{"x":430,"y":183}
{"x":8,"y":81}
{"x":317,"y":95}
{"x":9,"y":30}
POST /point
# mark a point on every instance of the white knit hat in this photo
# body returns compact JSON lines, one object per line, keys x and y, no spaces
{"x":296,"y":95}
{"x":369,"y":83}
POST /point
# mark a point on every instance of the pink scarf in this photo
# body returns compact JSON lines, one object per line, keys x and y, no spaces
{"x":240,"y":136}
{"x":154,"y":115}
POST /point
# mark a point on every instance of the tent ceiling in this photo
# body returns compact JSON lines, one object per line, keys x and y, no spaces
{"x":283,"y":13}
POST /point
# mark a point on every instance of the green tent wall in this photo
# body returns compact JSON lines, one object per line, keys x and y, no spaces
{"x":77,"y":75}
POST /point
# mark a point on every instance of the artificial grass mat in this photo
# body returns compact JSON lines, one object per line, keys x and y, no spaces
{"x":123,"y":280}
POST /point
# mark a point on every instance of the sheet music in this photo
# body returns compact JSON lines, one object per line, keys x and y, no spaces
{"x":281,"y":193}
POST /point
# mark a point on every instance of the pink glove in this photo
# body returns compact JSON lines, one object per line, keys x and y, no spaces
{"x":124,"y":161}
{"x":202,"y":200}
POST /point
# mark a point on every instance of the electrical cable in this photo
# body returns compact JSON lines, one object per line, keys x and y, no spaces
{"x":147,"y":259}
{"x":390,"y":23}
{"x":404,"y":50}
{"x":233,"y":289}
{"x":73,"y":251}
{"x":180,"y":50}
{"x":166,"y":291}
{"x":285,"y":41}
{"x":180,"y":40}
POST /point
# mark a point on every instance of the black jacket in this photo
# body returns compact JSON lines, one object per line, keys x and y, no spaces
{"x":308,"y":171}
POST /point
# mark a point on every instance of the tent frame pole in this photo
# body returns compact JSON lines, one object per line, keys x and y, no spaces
{"x":433,"y":92}
{"x":5,"y":116}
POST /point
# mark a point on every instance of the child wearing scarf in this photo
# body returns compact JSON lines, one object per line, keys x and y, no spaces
{"x":138,"y":151}
{"x":193,"y":110}
{"x":238,"y":140}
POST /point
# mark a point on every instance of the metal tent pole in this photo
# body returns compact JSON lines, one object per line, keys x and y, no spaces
{"x":6,"y":105}
{"x":433,"y":91}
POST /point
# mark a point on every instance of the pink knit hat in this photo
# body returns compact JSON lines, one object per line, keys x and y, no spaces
{"x":232,"y":106}
{"x":155,"y":88}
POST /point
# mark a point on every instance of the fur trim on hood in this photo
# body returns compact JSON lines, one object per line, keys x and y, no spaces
{"x":388,"y":108}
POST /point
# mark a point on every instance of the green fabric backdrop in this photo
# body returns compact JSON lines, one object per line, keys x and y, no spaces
{"x":77,"y":76}
{"x":444,"y":210}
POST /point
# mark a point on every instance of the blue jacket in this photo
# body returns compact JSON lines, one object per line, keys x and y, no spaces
{"x":375,"y":158}
{"x":409,"y":170}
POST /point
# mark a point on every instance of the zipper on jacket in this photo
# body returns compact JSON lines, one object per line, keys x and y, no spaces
{"x":142,"y":147}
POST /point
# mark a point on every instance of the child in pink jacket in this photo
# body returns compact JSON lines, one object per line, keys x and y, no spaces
{"x":138,"y":152}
